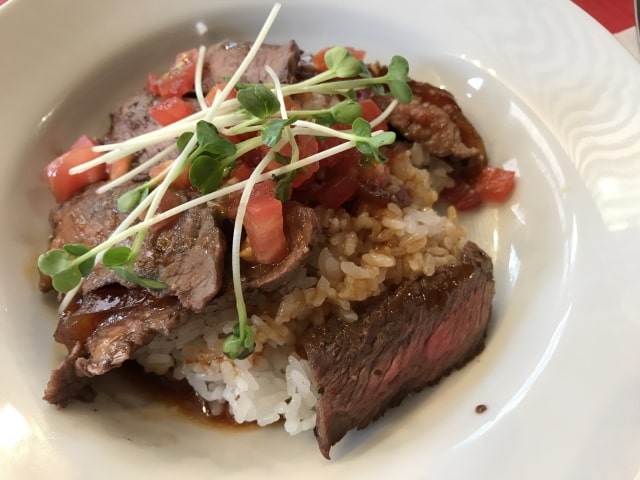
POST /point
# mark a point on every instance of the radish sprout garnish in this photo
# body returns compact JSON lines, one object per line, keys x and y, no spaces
{"x":203,"y":148}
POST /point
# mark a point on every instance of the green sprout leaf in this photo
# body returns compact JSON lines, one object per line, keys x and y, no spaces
{"x":397,"y":79}
{"x":220,"y":148}
{"x":272,"y":130}
{"x":86,"y":266}
{"x":240,"y":344}
{"x":324,"y":118}
{"x":340,"y":61}
{"x":370,"y":145}
{"x":282,"y":190}
{"x":361,"y":127}
{"x":61,"y":265}
{"x":55,"y":261}
{"x":116,"y":256}
{"x":346,"y":112}
{"x":182,"y":140}
{"x":66,"y":280}
{"x":259,"y":101}
{"x":281,"y":159}
{"x":206,"y":133}
{"x":76,"y":249}
{"x":383,"y":139}
{"x":206,"y":173}
{"x":129,"y":276}
{"x":131,"y":199}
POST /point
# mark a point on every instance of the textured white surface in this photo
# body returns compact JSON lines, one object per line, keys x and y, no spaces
{"x":629,"y":39}
{"x":555,"y":97}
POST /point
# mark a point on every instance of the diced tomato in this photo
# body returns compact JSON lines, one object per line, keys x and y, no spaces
{"x":61,"y":182}
{"x":336,"y":191}
{"x":218,"y":87}
{"x":169,"y":200}
{"x":182,"y":182}
{"x":304,"y":174}
{"x":318,"y":58}
{"x":263,"y":189}
{"x":371,"y":111}
{"x":241,"y":171}
{"x":462,"y":196}
{"x":152,"y":84}
{"x":264,"y":224}
{"x":308,"y":145}
{"x":180,"y":79}
{"x":376,"y":174}
{"x":170,"y":110}
{"x":85,"y":141}
{"x":350,"y":157}
{"x":495,"y":184}
{"x":119,"y":167}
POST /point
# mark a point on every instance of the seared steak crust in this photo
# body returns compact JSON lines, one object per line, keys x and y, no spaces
{"x":301,"y":229}
{"x":403,"y":341}
{"x":223,"y":59}
{"x":187,"y":256}
{"x":104,"y":330}
{"x":434,"y":119}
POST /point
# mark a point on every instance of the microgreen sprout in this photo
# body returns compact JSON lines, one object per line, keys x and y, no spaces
{"x":395,"y":80}
{"x":68,"y":265}
{"x":204,"y":148}
{"x":210,"y":159}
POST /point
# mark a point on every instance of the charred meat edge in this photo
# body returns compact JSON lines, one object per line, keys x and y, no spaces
{"x":402,"y":342}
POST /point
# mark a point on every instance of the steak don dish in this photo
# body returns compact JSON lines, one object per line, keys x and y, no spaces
{"x":270,"y":236}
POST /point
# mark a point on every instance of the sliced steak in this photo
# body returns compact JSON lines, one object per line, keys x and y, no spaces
{"x":64,"y":384}
{"x":301,"y":229}
{"x":132,"y":119}
{"x":223,"y":59}
{"x":404,"y":341}
{"x":104,"y":330}
{"x":434,"y":119}
{"x":187,"y":256}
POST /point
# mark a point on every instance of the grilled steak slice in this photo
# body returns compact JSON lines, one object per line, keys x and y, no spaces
{"x":103,"y":331}
{"x":301,"y":228}
{"x":132,"y":119}
{"x":187,"y":256}
{"x":434,"y":119}
{"x":64,"y":384}
{"x":223,"y":59}
{"x":404,"y":341}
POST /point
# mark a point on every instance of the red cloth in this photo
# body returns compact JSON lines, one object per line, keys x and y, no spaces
{"x":614,"y":15}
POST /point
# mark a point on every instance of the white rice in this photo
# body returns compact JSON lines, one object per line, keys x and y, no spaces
{"x":271,"y":385}
{"x":356,"y":257}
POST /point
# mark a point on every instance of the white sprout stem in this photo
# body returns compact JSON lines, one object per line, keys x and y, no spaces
{"x":237,"y":234}
{"x":68,"y":297}
{"x":126,"y":229}
{"x":135,"y":171}
{"x":170,"y":132}
{"x":222,"y":95}
{"x":153,"y":199}
{"x":384,"y":115}
{"x":176,"y":167}
{"x":277,"y":87}
{"x":198,"y":84}
{"x":240,"y":185}
{"x":295,"y":151}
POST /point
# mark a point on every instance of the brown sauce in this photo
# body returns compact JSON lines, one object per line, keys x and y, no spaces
{"x":179,"y":394}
